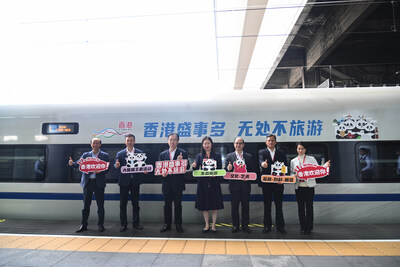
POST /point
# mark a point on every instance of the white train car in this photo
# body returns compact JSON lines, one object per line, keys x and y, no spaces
{"x":37,"y":140}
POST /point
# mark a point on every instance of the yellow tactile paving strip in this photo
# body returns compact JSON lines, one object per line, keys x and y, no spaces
{"x":203,"y":246}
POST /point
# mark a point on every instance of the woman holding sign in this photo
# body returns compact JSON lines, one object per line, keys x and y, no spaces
{"x":304,"y":188}
{"x":209,"y":194}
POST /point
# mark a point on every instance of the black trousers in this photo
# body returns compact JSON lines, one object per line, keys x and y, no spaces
{"x":277,"y":191}
{"x":88,"y":191}
{"x":241,"y":196}
{"x":124,"y":196}
{"x":305,"y":200}
{"x":176,"y":197}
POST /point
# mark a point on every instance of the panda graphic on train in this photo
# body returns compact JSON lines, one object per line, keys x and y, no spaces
{"x":361,"y":127}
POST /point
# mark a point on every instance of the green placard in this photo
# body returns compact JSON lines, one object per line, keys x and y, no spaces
{"x":201,"y":173}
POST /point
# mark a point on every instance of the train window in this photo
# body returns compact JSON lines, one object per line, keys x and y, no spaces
{"x":194,"y":149}
{"x":378,"y":162}
{"x":22,"y":163}
{"x":60,"y":128}
{"x":318,"y":150}
{"x":112,"y":174}
{"x":152,"y":152}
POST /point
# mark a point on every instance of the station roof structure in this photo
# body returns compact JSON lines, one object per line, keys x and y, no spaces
{"x":98,"y":50}
{"x":343,"y":43}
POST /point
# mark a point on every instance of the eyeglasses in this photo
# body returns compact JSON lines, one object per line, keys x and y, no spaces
{"x":239,"y":143}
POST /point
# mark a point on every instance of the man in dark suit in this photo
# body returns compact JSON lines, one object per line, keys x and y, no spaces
{"x":173,"y":185}
{"x":128,"y":182}
{"x":239,"y":189}
{"x":92,"y":182}
{"x":267,"y":157}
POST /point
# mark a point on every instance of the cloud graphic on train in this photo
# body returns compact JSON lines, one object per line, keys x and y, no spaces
{"x":107,"y":133}
{"x":361,"y":128}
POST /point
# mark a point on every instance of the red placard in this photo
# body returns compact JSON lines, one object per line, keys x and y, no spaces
{"x":309,"y":170}
{"x":251,"y":176}
{"x":91,"y":164}
{"x":171,"y":167}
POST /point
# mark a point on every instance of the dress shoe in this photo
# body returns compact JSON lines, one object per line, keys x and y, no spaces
{"x":281,"y":230}
{"x":123,"y":228}
{"x":308,"y":232}
{"x":165,"y":228}
{"x":235,"y":229}
{"x":214,"y":231}
{"x":101,"y":228}
{"x":138,"y":226}
{"x":303,"y":232}
{"x":81,"y":229}
{"x":266,"y":230}
{"x":246,"y":229}
{"x":179,"y":228}
{"x":205,"y":231}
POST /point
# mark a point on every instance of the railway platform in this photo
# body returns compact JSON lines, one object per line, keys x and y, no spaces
{"x":55,"y":243}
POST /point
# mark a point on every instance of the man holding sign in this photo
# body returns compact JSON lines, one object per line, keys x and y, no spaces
{"x":173,"y":185}
{"x":93,"y":181}
{"x":239,"y":162}
{"x":267,"y":157}
{"x":128,"y":182}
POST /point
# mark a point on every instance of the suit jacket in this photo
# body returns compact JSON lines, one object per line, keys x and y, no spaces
{"x":100,"y":177}
{"x":248,"y":159}
{"x":264,"y":154}
{"x":173,"y":182}
{"x":124,"y":178}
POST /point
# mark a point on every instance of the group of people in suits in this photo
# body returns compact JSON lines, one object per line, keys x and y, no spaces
{"x":209,"y":194}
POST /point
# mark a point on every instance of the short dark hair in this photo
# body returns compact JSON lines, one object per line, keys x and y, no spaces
{"x":130,"y":135}
{"x":95,"y":138}
{"x":271,"y":135}
{"x":301,"y":144}
{"x":177,"y":135}
{"x":237,"y":138}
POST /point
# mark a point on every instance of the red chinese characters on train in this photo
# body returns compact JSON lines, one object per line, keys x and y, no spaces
{"x":91,"y":164}
{"x":171,"y":167}
{"x":308,"y":171}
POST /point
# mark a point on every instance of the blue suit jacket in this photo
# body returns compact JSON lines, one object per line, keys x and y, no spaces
{"x":124,"y":178}
{"x":173,"y":182}
{"x":100,"y":177}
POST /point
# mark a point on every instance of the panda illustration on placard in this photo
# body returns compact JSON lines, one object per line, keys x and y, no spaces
{"x":209,"y":165}
{"x":240,"y":165}
{"x":136,"y":160}
{"x":278,"y":169}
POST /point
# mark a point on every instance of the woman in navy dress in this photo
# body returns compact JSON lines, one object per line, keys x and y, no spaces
{"x":209,"y":194}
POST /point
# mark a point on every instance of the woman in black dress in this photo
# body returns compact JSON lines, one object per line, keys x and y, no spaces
{"x":209,"y":194}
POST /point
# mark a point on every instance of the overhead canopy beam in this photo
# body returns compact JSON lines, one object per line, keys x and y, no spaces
{"x":289,"y":40}
{"x":252,"y":23}
{"x":331,"y":33}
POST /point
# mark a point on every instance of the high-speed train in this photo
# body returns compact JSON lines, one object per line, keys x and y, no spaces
{"x":357,"y":129}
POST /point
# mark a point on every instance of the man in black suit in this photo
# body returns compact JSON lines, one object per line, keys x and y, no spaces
{"x":267,"y":157}
{"x":92,"y":182}
{"x":239,"y":189}
{"x":173,"y":185}
{"x":128,"y":182}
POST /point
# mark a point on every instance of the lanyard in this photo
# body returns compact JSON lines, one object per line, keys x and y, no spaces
{"x":270,"y":153}
{"x":304,"y":160}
